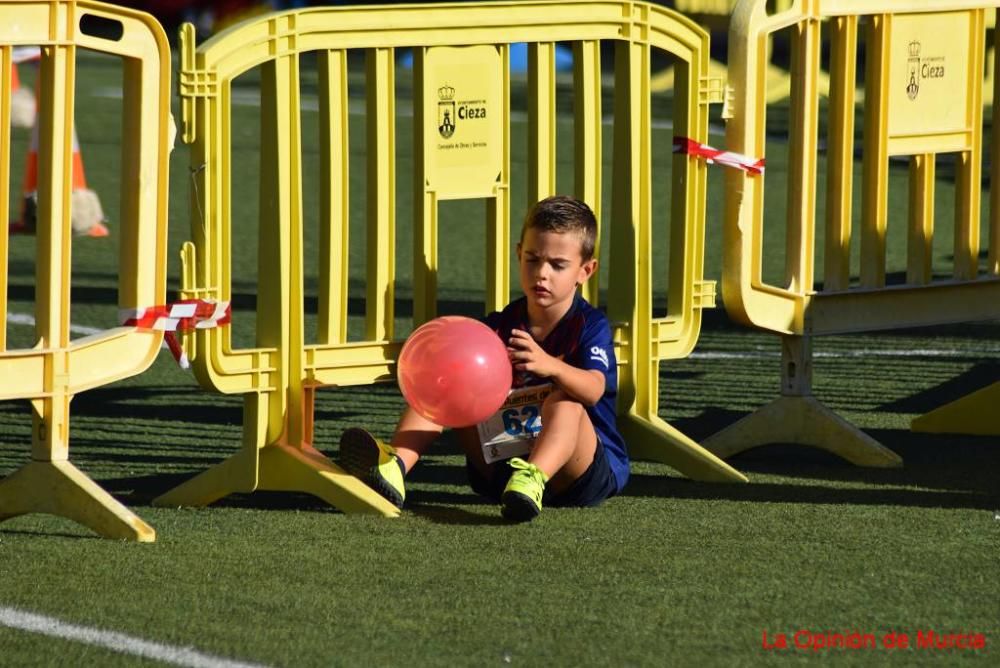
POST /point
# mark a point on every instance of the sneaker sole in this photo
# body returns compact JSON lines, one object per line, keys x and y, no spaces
{"x":359,"y":455}
{"x":518,"y":508}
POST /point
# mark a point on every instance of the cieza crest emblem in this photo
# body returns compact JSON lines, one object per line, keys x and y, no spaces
{"x":913,"y":71}
{"x":446,"y":111}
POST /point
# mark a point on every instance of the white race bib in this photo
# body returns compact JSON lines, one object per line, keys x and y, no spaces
{"x":511,"y":431}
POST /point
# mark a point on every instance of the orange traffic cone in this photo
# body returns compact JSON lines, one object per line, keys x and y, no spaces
{"x":85,"y":206}
{"x":22,"y":103}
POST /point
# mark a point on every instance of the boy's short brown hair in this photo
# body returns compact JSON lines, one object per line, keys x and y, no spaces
{"x":561,"y":213}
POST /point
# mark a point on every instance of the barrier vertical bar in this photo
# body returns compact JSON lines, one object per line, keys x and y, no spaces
{"x":875,"y":164}
{"x":688,"y":193}
{"x":840,"y":153}
{"x":921,"y":219}
{"x":290,"y":180}
{"x":381,"y":191}
{"x":6,"y":77}
{"x":52,"y":277}
{"x":334,"y":196}
{"x":968,"y":184}
{"x":498,"y":227}
{"x":628,"y":204}
{"x":278,"y":203}
{"x":993,"y":256}
{"x":587,"y":140}
{"x":425,"y":206}
{"x":804,"y":110}
{"x":541,"y":121}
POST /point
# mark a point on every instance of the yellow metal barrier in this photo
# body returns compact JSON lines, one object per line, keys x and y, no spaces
{"x":56,"y":369}
{"x":462,"y":150}
{"x":924,"y":64}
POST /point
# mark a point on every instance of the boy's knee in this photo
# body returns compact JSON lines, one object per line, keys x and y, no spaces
{"x":559,"y":400}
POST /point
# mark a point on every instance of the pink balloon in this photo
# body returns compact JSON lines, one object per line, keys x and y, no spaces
{"x":454,"y":371}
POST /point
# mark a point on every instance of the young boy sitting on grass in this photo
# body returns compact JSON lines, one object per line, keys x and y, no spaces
{"x":560,"y":415}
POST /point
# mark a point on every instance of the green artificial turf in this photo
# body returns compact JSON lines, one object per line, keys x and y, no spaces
{"x":673,"y":572}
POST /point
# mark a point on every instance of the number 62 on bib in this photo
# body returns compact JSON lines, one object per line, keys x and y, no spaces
{"x":511,"y":431}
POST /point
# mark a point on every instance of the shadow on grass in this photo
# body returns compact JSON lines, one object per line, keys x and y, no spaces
{"x":438,"y":505}
{"x":812,"y":494}
{"x":137,"y":491}
{"x":939,"y":470}
{"x":975,"y":378}
{"x":449,"y":514}
{"x":177,"y":407}
{"x":52,"y":534}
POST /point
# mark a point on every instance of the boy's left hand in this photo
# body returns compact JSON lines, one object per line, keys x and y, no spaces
{"x":526,"y":355}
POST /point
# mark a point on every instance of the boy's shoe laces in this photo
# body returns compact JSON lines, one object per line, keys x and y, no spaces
{"x":522,"y":498}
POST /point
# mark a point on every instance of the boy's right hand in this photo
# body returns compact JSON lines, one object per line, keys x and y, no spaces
{"x":526,"y":355}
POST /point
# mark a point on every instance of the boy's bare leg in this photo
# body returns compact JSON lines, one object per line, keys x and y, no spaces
{"x":414,"y":434}
{"x":384,"y":468}
{"x":564,"y":450}
{"x":566,"y":446}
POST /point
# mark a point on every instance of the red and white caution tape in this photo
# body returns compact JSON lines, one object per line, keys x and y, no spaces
{"x":182,"y":316}
{"x":712,"y":155}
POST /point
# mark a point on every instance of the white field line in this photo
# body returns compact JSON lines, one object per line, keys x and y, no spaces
{"x":24,"y":319}
{"x":29,"y":321}
{"x":116,"y":642}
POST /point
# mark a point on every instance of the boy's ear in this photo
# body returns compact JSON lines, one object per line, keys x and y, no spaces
{"x":587,"y":270}
{"x":518,"y":251}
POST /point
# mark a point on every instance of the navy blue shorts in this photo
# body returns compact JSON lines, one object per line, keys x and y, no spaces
{"x":596,"y":484}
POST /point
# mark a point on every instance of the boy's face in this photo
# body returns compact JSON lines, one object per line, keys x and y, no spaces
{"x":552,"y":267}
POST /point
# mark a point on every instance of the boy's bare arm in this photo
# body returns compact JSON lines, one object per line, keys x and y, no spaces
{"x":584,"y":385}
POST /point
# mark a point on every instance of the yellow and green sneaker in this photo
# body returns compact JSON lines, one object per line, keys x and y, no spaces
{"x":522,"y":497}
{"x":376,"y":463}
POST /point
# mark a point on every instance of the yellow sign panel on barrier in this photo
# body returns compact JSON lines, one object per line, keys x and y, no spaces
{"x":922,"y":98}
{"x":931,"y":113}
{"x":462,"y":131}
{"x":53,"y":371}
{"x":462,"y":98}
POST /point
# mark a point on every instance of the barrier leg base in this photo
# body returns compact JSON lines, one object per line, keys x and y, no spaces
{"x":281,"y":468}
{"x":658,"y":441}
{"x":287,"y":468}
{"x":59,"y":488}
{"x":238,"y":473}
{"x":803,"y":420}
{"x":975,"y":414}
